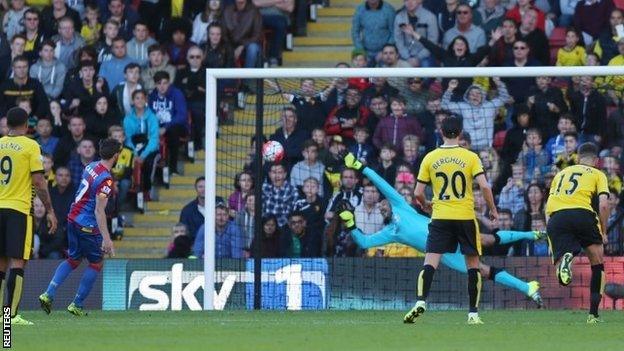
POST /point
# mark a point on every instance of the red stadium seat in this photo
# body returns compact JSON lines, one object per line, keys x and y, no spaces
{"x":556,"y":41}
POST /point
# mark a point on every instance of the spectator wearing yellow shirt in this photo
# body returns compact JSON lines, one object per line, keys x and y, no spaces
{"x":611,"y":167}
{"x":616,"y":83}
{"x":92,"y":27}
{"x":573,"y":53}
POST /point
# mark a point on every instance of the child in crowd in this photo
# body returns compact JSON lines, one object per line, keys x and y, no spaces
{"x":611,"y":167}
{"x":48,"y":169}
{"x":534,"y":157}
{"x":92,"y":27}
{"x":573,"y":53}
{"x":387,"y":167}
{"x":44,"y":138}
{"x":569,"y":157}
{"x":362,"y":148}
{"x":122,"y":172}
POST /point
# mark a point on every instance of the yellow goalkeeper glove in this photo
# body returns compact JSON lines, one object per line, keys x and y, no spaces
{"x":345,"y":212}
{"x":351,"y":162}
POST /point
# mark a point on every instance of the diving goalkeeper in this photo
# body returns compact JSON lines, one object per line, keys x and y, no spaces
{"x":406,"y":226}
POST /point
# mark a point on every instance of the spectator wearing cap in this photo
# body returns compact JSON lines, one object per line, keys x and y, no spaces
{"x":278,"y":195}
{"x":49,"y":71}
{"x":297,"y":241}
{"x":416,"y":96}
{"x":228,"y":237}
{"x":413,"y":17}
{"x":192,"y":214}
{"x":113,"y":70}
{"x":291,"y":137}
{"x":344,"y":118}
{"x":124,"y":15}
{"x":51,"y":16}
{"x":140,"y":43}
{"x":372,"y":27}
{"x":68,"y":41}
{"x":464,"y":27}
{"x":392,"y":128}
{"x":592,"y":17}
{"x":244,"y":26}
{"x":607,"y":43}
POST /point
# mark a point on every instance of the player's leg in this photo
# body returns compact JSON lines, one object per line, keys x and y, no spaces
{"x":64,"y":269}
{"x":20,"y":227}
{"x":470,"y":246}
{"x":503,"y":237}
{"x":4,"y":264}
{"x":92,"y":245}
{"x":4,"y":261}
{"x":595,"y":253}
{"x":563,"y":244}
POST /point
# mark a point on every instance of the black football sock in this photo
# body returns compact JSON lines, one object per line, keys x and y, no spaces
{"x":2,"y":287}
{"x":14,"y":283}
{"x":596,"y":287}
{"x":425,"y":277}
{"x":474,"y":288}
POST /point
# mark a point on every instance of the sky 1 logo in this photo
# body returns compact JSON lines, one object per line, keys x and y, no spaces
{"x":286,"y":284}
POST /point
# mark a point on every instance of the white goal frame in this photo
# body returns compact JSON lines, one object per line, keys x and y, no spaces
{"x":210,"y":146}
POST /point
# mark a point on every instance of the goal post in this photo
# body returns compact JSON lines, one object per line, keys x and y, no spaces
{"x":213,"y":76}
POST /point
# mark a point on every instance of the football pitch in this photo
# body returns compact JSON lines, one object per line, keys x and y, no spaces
{"x":328,"y":330}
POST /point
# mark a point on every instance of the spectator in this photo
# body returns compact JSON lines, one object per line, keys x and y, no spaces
{"x":243,"y":185}
{"x":359,"y":60}
{"x":567,"y":8}
{"x":12,"y":22}
{"x":615,"y":229}
{"x":413,"y":17}
{"x":556,"y":145}
{"x":522,"y":7}
{"x":502,"y":51}
{"x":478,"y":114}
{"x":349,"y":190}
{"x":278,"y":195}
{"x":606,"y":44}
{"x":614,"y":84}
{"x":372,"y":28}
{"x":178,"y":45}
{"x":104,"y":46}
{"x":48,"y":169}
{"x":416,"y":96}
{"x":591,"y":17}
{"x":101,"y":119}
{"x":51,"y":244}
{"x":569,"y":157}
{"x":62,"y":195}
{"x":308,"y":167}
{"x":491,"y":165}
{"x":276,"y":17}
{"x":534,"y":38}
{"x":243,"y":23}
{"x":34,"y":36}
{"x":91,"y":28}
{"x":228,"y":238}
{"x":67,"y":42}
{"x":158,"y":62}
{"x":396,"y":125}
{"x":192,"y":82}
{"x":387,"y":165}
{"x":218,"y":51}
{"x":427,"y":119}
{"x":122,"y":171}
{"x":157,"y":13}
{"x":298,"y":241}
{"x":121,"y":96}
{"x":534,"y":157}
{"x":475,"y":36}
{"x":81,"y":95}
{"x":192,"y":214}
{"x":611,"y":168}
{"x":271,"y":238}
{"x":381,"y":89}
{"x":113,"y":69}
{"x":378,"y":105}
{"x":308,"y":104}
{"x":181,"y":243}
{"x":290,"y":136}
{"x":534,"y":203}
{"x":573,"y":53}
{"x":244,"y":220}
{"x":169,"y":105}
{"x":520,"y":87}
{"x":78,"y":6}
{"x":49,"y":71}
{"x":492,"y":14}
{"x":337,"y":90}
{"x":212,"y":13}
{"x":22,"y":86}
{"x":390,"y":59}
{"x":312,"y":205}
{"x":52,"y":15}
{"x":368,"y":217}
{"x":342,"y":119}
{"x":515,"y":136}
{"x":44,"y":136}
{"x":85,"y":154}
{"x":18,"y":43}
{"x":362,"y":148}
{"x":445,"y":13}
{"x":125,"y":16}
{"x":410,"y":152}
{"x":142,"y":135}
{"x":140,"y":43}
{"x":590,"y":109}
{"x":546,"y":104}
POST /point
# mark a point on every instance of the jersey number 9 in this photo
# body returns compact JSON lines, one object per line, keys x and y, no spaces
{"x":6,"y":168}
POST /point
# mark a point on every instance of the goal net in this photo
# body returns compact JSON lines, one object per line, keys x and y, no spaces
{"x":524,"y":123}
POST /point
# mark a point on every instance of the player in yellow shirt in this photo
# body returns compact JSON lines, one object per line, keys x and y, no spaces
{"x":450,"y":170}
{"x":20,"y":169}
{"x":573,"y":223}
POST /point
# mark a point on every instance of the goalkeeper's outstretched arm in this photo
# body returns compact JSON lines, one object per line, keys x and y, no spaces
{"x":381,"y":238}
{"x":386,"y":189}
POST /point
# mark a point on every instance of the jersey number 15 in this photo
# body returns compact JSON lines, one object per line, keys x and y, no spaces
{"x":573,"y":180}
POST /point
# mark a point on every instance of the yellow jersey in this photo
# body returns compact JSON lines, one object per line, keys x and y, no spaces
{"x":574,"y":187}
{"x":123,"y":167}
{"x":20,"y":156}
{"x":451,"y":170}
{"x":574,"y":57}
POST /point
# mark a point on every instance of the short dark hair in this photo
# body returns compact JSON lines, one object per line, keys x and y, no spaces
{"x":19,"y":58}
{"x":587,"y":150}
{"x":49,"y":43}
{"x":571,"y":134}
{"x":16,"y":117}
{"x":87,"y":63}
{"x":139,"y":91}
{"x":108,"y":148}
{"x":33,"y":11}
{"x":155,"y":47}
{"x":199,"y":179}
{"x":309,"y":143}
{"x":130,"y":66}
{"x":451,"y":127}
{"x":505,"y":211}
{"x":141,"y":23}
{"x":296,"y":213}
{"x":160,"y":75}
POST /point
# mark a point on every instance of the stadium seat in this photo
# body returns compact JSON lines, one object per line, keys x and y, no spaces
{"x":499,"y":140}
{"x":556,"y":41}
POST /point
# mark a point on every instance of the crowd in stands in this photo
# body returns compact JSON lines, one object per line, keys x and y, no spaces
{"x":133,"y":70}
{"x":523,"y":129}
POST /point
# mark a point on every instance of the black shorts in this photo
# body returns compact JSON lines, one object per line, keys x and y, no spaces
{"x":572,"y":229}
{"x":446,"y":234}
{"x":16,"y":234}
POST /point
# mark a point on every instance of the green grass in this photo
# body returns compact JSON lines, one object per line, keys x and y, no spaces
{"x":329,"y":330}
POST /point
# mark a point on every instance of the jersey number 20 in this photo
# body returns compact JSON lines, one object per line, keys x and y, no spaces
{"x":459,"y":193}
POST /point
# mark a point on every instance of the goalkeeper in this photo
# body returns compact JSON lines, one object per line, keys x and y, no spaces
{"x":406,"y":226}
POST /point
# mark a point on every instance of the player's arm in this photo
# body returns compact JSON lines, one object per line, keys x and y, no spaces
{"x":386,"y":189}
{"x":381,"y":238}
{"x":419,"y":194}
{"x":603,"y":207}
{"x":40,"y":184}
{"x":100,"y":216}
{"x":486,"y":190}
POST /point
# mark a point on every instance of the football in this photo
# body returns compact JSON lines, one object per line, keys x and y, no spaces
{"x":272,"y":151}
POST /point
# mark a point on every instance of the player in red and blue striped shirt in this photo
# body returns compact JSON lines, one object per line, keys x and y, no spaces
{"x":87,"y":231}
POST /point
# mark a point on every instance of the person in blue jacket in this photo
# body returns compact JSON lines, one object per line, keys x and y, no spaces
{"x":141,"y":128}
{"x":408,"y":227}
